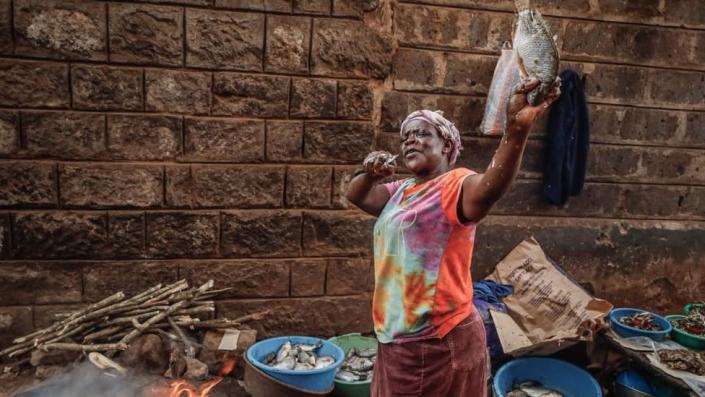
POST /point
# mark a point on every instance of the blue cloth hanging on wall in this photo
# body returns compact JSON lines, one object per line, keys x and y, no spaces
{"x":568,"y":141}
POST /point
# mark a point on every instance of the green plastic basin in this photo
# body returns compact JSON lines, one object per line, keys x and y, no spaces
{"x":353,"y":389}
{"x":694,"y":342}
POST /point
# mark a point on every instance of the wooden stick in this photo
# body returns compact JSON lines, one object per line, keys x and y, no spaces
{"x":190,"y":350}
{"x":161,"y":316}
{"x":83,"y":348}
{"x":105,"y":302}
{"x":105,"y":332}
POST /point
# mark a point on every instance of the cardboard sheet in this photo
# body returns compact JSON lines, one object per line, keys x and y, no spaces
{"x":547,"y":308}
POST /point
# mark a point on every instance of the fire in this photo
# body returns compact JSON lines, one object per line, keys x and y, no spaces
{"x":228,"y":365}
{"x":182,"y":388}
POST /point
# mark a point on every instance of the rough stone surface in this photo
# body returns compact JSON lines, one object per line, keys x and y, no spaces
{"x":313,"y":98}
{"x":27,"y":184}
{"x":341,"y":179}
{"x":355,"y":100}
{"x":146,"y":34}
{"x":29,"y":283}
{"x":34,"y":84}
{"x":9,"y":132}
{"x":613,"y":84}
{"x":308,"y":278}
{"x":337,"y":142}
{"x":111,"y":185}
{"x":350,"y":48}
{"x":261,"y":5}
{"x":49,"y":235}
{"x":182,"y":234}
{"x":466,"y":113}
{"x":319,"y":7}
{"x":225,"y":186}
{"x":248,"y":279}
{"x":232,"y":141}
{"x":14,"y":321}
{"x":454,"y":28}
{"x":354,"y":8}
{"x":106,"y":88}
{"x":226,"y":40}
{"x":337,"y":233}
{"x":630,"y":44}
{"x":126,"y":234}
{"x":68,"y":135}
{"x":443,"y":72}
{"x":261,"y":233}
{"x":349,"y":276}
{"x":285,"y":140}
{"x":147,"y":353}
{"x":250,"y":96}
{"x":178,"y":92}
{"x":5,"y":27}
{"x":5,"y":235}
{"x":103,"y":280}
{"x":136,"y":137}
{"x":308,"y":187}
{"x":60,"y":29}
{"x":287,"y":48}
{"x":332,"y":315}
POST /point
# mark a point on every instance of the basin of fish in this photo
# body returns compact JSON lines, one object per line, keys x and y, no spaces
{"x":532,"y":389}
{"x":298,"y":357}
{"x":357,"y":366}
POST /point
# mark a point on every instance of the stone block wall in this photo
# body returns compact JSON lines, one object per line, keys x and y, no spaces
{"x":147,"y":141}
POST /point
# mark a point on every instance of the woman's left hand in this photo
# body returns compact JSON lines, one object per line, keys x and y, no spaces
{"x":520,"y":114}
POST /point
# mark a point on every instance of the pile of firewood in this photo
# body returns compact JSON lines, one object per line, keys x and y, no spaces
{"x":109,"y":326}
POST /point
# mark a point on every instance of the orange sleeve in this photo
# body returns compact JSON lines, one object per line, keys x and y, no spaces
{"x":452,"y":187}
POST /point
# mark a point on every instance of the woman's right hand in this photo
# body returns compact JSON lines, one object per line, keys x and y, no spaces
{"x":380,"y":164}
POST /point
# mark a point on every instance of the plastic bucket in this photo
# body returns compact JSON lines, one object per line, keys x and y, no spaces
{"x":320,"y":379}
{"x":627,"y":331}
{"x":353,"y":389}
{"x":688,"y":340}
{"x":554,"y":374}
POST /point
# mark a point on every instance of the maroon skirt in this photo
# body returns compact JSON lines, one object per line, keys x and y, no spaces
{"x":455,"y":365}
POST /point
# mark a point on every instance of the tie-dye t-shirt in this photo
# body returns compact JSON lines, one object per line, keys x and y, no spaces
{"x":422,"y":254}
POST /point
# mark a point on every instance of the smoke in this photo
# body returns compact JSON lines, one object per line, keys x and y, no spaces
{"x":86,"y":381}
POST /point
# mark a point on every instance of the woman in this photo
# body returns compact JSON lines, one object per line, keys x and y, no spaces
{"x":432,"y":341}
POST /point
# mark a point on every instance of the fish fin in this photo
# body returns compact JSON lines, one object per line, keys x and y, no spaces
{"x":522,"y":5}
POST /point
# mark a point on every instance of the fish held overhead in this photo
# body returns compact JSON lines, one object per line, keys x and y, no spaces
{"x":536,"y":50}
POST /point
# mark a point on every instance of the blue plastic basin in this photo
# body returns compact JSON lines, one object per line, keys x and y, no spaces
{"x":554,"y":374}
{"x":627,"y":331}
{"x":313,"y":379}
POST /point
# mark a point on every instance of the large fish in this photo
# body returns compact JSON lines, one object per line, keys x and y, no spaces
{"x":536,"y":50}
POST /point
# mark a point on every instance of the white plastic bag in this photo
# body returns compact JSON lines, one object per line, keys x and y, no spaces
{"x":505,"y":78}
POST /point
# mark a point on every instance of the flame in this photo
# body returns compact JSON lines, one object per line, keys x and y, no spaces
{"x":182,"y":388}
{"x":228,"y":365}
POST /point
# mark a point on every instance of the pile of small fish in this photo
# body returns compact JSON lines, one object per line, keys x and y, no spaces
{"x":532,"y":389}
{"x":698,"y":308}
{"x":694,"y":323}
{"x":299,"y":357}
{"x":684,"y":360}
{"x":643,"y":320}
{"x":358,"y":365}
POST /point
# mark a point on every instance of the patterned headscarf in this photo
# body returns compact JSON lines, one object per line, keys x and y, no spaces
{"x":444,"y":127}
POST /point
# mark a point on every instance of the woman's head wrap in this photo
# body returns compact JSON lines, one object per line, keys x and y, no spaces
{"x":444,"y":127}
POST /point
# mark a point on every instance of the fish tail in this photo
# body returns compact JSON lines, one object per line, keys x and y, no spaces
{"x":522,"y":5}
